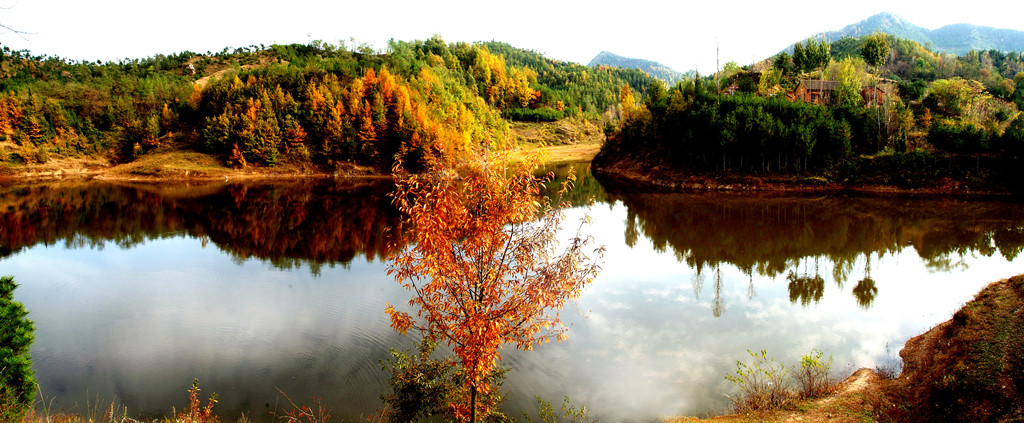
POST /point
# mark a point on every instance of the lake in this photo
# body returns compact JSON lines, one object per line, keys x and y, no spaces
{"x":260,"y":288}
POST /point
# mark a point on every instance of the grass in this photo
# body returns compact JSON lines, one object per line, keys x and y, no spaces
{"x":969,"y":368}
{"x":173,"y":164}
{"x":561,"y":154}
{"x":564,"y":141}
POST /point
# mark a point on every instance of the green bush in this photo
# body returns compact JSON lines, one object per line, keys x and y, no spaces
{"x":423,"y":387}
{"x":767,"y":385}
{"x":1012,"y":140}
{"x":813,"y":376}
{"x":543,"y":114}
{"x":567,"y":414}
{"x":763,"y":385}
{"x":17,"y":381}
{"x":42,"y":156}
{"x":958,"y":137}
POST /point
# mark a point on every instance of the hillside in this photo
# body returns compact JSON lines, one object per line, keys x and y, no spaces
{"x":957,"y":39}
{"x":655,"y":69}
{"x":916,"y":121}
{"x":315,"y":107}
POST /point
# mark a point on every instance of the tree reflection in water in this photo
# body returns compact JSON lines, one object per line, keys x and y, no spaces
{"x":287,"y":223}
{"x":865,"y":292}
{"x":806,"y":288}
{"x":331,"y":222}
{"x":774,"y":235}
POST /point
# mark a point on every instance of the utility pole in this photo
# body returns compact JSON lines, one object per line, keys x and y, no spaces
{"x":718,"y":70}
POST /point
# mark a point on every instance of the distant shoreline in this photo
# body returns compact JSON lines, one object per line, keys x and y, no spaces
{"x":192,"y":166}
{"x":633,"y":175}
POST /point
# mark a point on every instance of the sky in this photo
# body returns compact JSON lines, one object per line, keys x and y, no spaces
{"x":683,"y":35}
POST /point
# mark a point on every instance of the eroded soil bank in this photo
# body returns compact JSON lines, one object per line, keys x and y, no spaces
{"x":967,"y":369}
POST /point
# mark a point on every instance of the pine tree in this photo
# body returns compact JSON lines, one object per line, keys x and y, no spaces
{"x":17,"y":381}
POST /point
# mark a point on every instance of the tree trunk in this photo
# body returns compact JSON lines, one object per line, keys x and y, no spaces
{"x":472,"y":404}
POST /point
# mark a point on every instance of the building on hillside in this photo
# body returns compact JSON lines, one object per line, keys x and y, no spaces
{"x":816,"y":91}
{"x":823,"y":92}
{"x":876,"y":94}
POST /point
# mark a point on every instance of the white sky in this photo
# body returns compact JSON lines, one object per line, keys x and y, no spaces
{"x":679,"y":34}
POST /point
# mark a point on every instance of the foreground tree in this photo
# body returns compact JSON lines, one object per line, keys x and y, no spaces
{"x":485,"y":266}
{"x":17,"y":381}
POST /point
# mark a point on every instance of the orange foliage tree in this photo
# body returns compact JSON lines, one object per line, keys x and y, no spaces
{"x":486,"y":267}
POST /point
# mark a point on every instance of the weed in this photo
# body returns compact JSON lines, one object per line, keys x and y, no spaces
{"x":764,"y":384}
{"x":196,"y":412}
{"x":813,"y":376}
{"x":305,"y":413}
{"x":889,"y":370}
{"x":567,"y":414}
{"x":767,"y":385}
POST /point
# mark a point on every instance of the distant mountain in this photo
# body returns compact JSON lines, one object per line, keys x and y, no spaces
{"x":957,"y":39}
{"x":655,"y":69}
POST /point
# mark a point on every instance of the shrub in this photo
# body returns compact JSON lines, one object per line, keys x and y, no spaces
{"x":42,"y":156}
{"x":767,"y":385}
{"x":958,"y":137}
{"x":543,"y":114}
{"x":1012,"y":140}
{"x":17,"y":381}
{"x":764,"y":384}
{"x":568,"y":413}
{"x":423,"y":387}
{"x":813,"y":376}
{"x":196,"y":412}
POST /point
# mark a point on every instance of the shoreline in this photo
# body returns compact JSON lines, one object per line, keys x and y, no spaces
{"x":635,"y":178}
{"x":175,"y":166}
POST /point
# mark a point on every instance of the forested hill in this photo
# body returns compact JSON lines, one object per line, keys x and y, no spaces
{"x":594,"y":90}
{"x":419,"y":102}
{"x":957,"y":39}
{"x":876,"y":109}
{"x":655,"y":69}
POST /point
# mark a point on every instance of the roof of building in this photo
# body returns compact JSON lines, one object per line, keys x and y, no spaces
{"x":819,"y":85}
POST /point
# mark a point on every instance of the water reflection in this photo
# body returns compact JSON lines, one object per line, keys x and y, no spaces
{"x":585,"y":189}
{"x":287,"y":223}
{"x":772,"y":235}
{"x":691,"y":281}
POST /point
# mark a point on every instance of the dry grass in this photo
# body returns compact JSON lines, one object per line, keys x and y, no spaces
{"x":972,"y":364}
{"x":569,"y":131}
{"x":172,"y":164}
{"x":564,"y":141}
{"x":558,"y":154}
{"x":857,"y":399}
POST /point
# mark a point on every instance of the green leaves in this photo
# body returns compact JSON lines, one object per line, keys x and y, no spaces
{"x":875,"y":49}
{"x":765,"y":384}
{"x":17,"y":380}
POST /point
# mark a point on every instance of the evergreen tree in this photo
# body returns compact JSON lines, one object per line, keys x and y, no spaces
{"x":17,"y":381}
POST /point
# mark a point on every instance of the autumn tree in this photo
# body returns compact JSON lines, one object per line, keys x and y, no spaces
{"x":485,"y":266}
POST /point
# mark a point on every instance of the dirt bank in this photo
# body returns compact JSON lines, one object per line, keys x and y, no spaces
{"x":967,"y":369}
{"x":971,"y":367}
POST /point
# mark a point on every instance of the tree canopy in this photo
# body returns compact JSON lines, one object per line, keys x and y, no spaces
{"x":486,"y":266}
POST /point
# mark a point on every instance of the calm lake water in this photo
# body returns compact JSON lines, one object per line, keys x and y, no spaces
{"x":258,"y":287}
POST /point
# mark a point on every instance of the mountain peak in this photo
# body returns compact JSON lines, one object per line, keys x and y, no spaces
{"x":957,"y":38}
{"x":887,"y":16}
{"x":655,"y":69}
